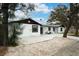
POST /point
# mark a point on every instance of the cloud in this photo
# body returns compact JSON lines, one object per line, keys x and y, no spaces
{"x":39,"y":7}
{"x":19,"y":14}
{"x":42,"y":8}
{"x":40,"y":20}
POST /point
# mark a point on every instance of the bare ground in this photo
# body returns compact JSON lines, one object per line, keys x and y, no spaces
{"x":57,"y":46}
{"x":3,"y":50}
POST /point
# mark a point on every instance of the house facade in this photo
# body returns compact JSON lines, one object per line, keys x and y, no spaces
{"x":33,"y":28}
{"x":52,"y":29}
{"x":30,"y":27}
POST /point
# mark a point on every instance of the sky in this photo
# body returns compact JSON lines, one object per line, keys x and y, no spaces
{"x":42,"y":11}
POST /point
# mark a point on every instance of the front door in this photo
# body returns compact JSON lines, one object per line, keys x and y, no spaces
{"x":41,"y":30}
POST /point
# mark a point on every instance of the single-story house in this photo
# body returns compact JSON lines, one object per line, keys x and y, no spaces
{"x":30,"y":27}
{"x":51,"y":29}
{"x":33,"y":28}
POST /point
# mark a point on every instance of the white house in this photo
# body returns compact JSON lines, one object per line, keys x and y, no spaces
{"x":52,"y":27}
{"x":30,"y":27}
{"x":33,"y":28}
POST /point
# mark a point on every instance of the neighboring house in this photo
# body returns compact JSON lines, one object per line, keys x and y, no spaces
{"x":33,"y":28}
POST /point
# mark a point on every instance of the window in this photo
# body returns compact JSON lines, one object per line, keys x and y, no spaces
{"x":61,"y":29}
{"x":49,"y":28}
{"x":34,"y":28}
{"x":53,"y":28}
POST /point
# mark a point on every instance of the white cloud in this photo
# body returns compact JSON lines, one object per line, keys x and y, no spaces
{"x":42,"y":8}
{"x":19,"y":14}
{"x":39,"y":7}
{"x":40,"y":20}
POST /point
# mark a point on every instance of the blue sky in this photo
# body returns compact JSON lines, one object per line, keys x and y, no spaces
{"x":42,"y":11}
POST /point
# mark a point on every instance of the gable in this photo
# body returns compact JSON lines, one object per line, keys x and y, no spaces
{"x":26,"y":21}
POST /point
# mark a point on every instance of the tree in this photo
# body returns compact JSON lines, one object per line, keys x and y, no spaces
{"x":73,"y":18}
{"x":14,"y":26}
{"x":1,"y":30}
{"x":5,"y":21}
{"x":15,"y":30}
{"x":60,"y":15}
{"x":8,"y":9}
{"x":67,"y":17}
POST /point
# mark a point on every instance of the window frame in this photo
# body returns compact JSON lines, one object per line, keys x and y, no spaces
{"x":34,"y":28}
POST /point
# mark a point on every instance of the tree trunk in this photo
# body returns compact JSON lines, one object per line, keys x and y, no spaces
{"x":5,"y":22}
{"x":70,"y":20}
{"x":76,"y":26}
{"x":76,"y":32}
{"x":66,"y":30}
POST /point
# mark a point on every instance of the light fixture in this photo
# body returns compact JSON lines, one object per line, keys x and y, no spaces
{"x":28,"y":21}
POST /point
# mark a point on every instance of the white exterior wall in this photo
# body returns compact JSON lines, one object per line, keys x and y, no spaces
{"x":59,"y":29}
{"x":45,"y":29}
{"x":27,"y":30}
{"x":51,"y":30}
{"x":56,"y":30}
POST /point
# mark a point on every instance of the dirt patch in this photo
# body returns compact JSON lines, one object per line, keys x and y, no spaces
{"x":3,"y":51}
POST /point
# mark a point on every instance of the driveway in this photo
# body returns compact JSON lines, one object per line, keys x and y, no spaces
{"x":46,"y":45}
{"x":34,"y":39}
{"x":58,"y":46}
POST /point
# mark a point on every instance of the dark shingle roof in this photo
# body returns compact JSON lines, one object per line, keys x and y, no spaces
{"x":26,"y":21}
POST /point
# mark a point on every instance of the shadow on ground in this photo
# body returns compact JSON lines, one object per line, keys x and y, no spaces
{"x":69,"y":50}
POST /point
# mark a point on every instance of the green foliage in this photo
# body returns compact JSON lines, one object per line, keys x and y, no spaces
{"x":7,"y":10}
{"x":59,"y":14}
{"x":67,"y":16}
{"x":16,"y":30}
